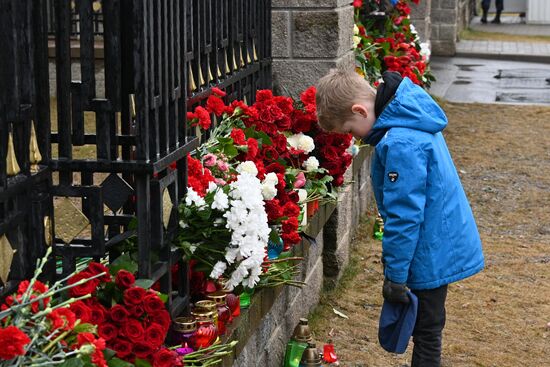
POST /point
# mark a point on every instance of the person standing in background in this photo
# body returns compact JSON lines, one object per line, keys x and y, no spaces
{"x":486,"y":4}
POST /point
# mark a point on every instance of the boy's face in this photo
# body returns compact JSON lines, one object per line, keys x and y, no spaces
{"x":360,"y":123}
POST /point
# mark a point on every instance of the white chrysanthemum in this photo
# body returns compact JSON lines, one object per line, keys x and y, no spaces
{"x":425,"y":50}
{"x":271,"y":178}
{"x":247,"y":221}
{"x":311,"y":164}
{"x":221,"y":201}
{"x":301,"y":142}
{"x":183,"y":224}
{"x":212,"y":187}
{"x":268,"y":191}
{"x":218,"y":270}
{"x":247,"y":167}
{"x":192,"y":198}
{"x":302,"y":195}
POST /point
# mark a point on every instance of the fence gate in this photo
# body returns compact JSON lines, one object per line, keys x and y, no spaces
{"x":102,"y":159}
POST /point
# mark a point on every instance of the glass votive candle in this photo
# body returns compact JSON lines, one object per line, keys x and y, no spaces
{"x":207,"y":331}
{"x":224,"y":313}
{"x":183,"y":328}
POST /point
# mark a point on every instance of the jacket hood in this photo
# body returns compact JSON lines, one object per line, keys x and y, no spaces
{"x":412,"y":108}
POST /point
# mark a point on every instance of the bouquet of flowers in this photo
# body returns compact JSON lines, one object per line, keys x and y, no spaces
{"x":132,"y":320}
{"x":227,"y":230}
{"x":37,"y":328}
{"x":395,"y":48}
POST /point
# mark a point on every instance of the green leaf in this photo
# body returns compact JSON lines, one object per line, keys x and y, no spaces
{"x":123,"y":262}
{"x":116,"y":362}
{"x":133,"y":224}
{"x":84,"y":328}
{"x":108,"y":353}
{"x":230,"y":151}
{"x":73,"y":362}
{"x":144,"y":283}
{"x":141,"y":363}
{"x":163,"y":297}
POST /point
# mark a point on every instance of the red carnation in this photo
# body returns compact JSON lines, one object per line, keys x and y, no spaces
{"x":119,"y":314}
{"x":62,"y":318}
{"x":122,"y":347}
{"x":81,"y":311}
{"x":133,"y":330}
{"x":13,"y":342}
{"x":152,"y":303}
{"x":290,"y":239}
{"x":252,"y":149}
{"x":108,"y":331}
{"x":85,"y":288}
{"x":290,"y":225}
{"x":273,"y":209}
{"x":290,"y":209}
{"x":166,"y":358}
{"x":124,"y":279}
{"x":217,"y":91}
{"x":357,"y":3}
{"x":155,"y":334}
{"x":238,"y":136}
{"x":142,"y":350}
{"x":215,"y":105}
{"x":200,"y":117}
{"x":134,"y":295}
{"x":264,"y":95}
{"x":308,"y":96}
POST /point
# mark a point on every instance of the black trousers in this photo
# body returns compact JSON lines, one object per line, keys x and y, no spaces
{"x":430,"y":321}
{"x":485,"y":4}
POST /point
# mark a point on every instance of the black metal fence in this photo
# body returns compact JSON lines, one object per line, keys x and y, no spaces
{"x":106,"y":161}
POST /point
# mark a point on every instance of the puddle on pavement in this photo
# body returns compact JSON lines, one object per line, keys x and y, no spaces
{"x":467,"y":67}
{"x":528,"y":85}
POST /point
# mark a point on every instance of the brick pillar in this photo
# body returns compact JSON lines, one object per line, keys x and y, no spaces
{"x":309,"y":38}
{"x":444,"y":17}
{"x":420,"y":18}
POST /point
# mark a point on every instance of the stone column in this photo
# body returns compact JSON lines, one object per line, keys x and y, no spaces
{"x":444,"y":16}
{"x":309,"y":38}
{"x":420,"y":18}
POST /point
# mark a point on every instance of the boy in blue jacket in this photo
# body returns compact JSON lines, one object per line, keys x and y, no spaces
{"x":430,"y":236}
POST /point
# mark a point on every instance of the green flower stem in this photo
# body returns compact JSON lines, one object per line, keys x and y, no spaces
{"x":50,"y":293}
{"x":39,"y":266}
{"x":63,"y":304}
{"x":59,"y":338}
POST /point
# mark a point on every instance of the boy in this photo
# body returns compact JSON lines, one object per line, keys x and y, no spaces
{"x":430,"y":236}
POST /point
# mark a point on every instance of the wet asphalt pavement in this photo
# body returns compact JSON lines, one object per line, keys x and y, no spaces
{"x":471,"y":80}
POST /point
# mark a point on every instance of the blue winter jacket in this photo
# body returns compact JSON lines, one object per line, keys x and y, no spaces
{"x":430,"y":236}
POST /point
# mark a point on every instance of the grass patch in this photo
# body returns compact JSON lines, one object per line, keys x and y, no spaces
{"x":475,"y":35}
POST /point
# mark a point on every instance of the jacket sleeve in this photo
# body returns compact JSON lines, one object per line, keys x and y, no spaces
{"x":404,"y":198}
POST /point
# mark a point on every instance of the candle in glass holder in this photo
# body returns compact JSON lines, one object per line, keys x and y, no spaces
{"x":224,"y":313}
{"x":207,"y":331}
{"x":183,"y":328}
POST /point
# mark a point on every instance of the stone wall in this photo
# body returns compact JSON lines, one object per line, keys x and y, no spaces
{"x":309,"y":38}
{"x":264,"y":329}
{"x":448,"y":19}
{"x":420,"y":18}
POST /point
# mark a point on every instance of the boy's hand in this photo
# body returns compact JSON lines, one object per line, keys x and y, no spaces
{"x":394,"y":292}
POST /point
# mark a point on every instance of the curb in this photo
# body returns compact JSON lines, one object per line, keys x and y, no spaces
{"x":504,"y":56}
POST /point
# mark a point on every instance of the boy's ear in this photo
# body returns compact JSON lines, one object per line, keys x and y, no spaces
{"x":360,"y":109}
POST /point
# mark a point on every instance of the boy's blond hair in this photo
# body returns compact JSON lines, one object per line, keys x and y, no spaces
{"x":337,"y":92}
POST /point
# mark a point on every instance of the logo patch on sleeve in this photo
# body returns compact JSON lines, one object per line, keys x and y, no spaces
{"x":393,"y":176}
